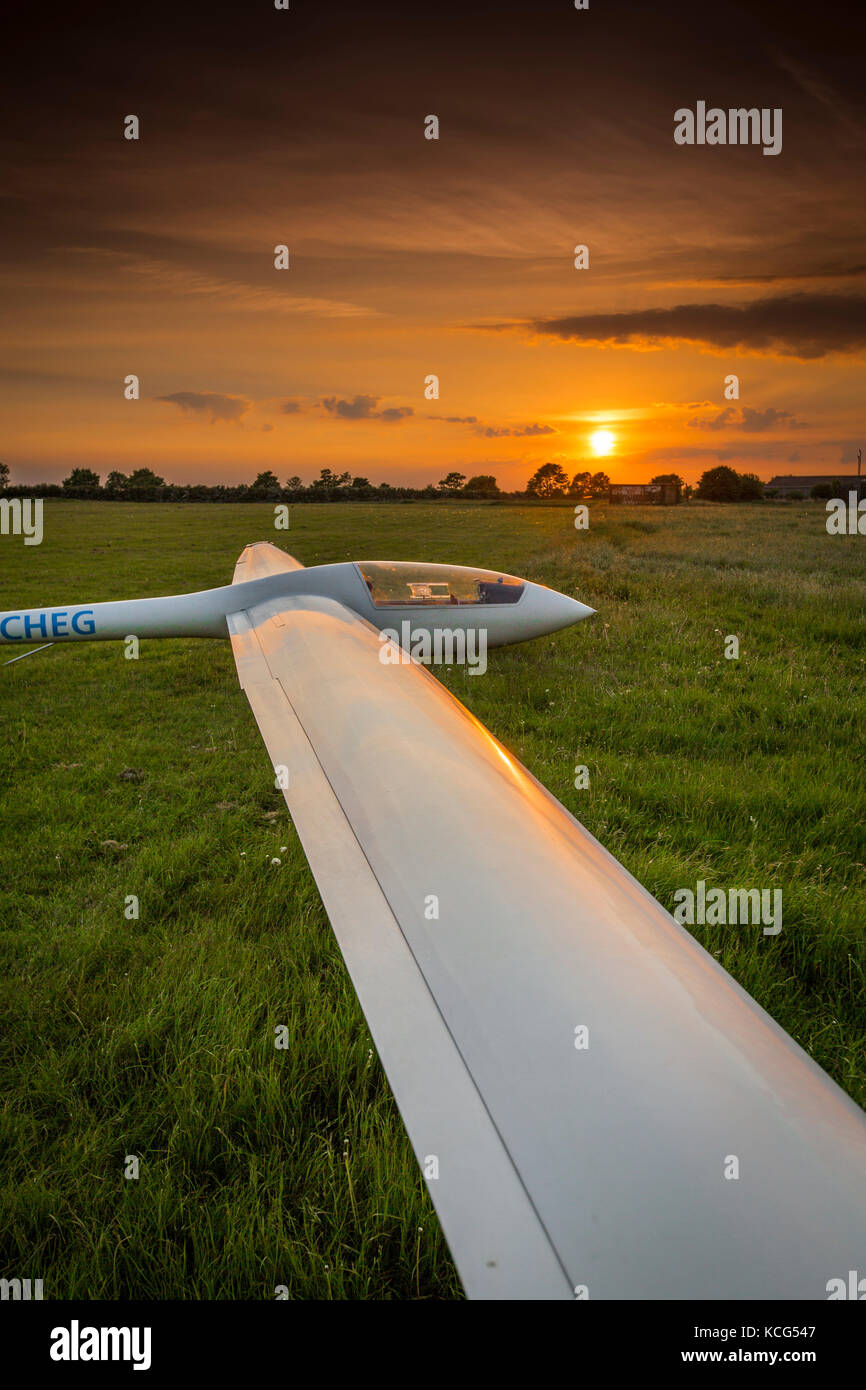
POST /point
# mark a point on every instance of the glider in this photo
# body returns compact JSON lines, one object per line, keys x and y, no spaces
{"x":598,"y":1109}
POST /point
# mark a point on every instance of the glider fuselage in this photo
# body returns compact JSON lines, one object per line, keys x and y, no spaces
{"x":446,"y":597}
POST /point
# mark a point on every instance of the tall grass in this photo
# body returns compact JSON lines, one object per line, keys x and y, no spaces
{"x":154,"y":1036}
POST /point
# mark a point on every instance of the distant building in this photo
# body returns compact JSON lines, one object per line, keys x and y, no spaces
{"x":656,"y":494}
{"x":785,"y":486}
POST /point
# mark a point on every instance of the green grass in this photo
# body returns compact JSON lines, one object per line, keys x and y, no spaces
{"x":155,"y":1036}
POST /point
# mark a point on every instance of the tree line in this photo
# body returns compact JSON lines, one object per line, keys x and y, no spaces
{"x":549,"y":482}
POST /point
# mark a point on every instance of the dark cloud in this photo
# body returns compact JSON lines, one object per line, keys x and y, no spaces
{"x":754,"y":421}
{"x":840,"y":272}
{"x":361,"y":408}
{"x":516,"y":431}
{"x":495,"y":431}
{"x":290,"y":407}
{"x":770,"y":452}
{"x":364,"y":408}
{"x":749,"y":420}
{"x":211,"y":403}
{"x":797,"y":325}
{"x":724,"y":420}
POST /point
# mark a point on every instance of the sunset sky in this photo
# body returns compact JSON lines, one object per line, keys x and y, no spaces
{"x":412,"y":257}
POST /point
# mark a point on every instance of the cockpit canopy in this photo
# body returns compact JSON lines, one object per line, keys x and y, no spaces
{"x":405,"y":584}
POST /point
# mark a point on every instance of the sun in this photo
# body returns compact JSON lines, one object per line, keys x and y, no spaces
{"x":602,"y":441}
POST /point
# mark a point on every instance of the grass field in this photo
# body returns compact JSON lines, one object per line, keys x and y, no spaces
{"x":155,"y":1037}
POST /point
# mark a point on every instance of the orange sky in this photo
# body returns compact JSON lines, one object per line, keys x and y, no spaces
{"x":411,"y":257}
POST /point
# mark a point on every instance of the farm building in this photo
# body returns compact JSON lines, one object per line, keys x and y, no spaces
{"x":656,"y":494}
{"x":785,"y":486}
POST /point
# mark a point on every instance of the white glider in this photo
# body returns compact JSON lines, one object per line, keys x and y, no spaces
{"x":487,"y":934}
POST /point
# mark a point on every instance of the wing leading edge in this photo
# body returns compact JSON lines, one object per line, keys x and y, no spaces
{"x":482,"y":926}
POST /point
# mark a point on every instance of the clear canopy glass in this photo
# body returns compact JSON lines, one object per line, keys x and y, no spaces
{"x":406,"y":584}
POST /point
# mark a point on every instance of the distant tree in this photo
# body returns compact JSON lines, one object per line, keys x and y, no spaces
{"x":328,"y":481}
{"x":82,"y":477}
{"x":579,"y":485}
{"x":720,"y":484}
{"x":452,"y":482}
{"x":599,"y":485}
{"x":825,"y":490}
{"x":725,"y":484}
{"x":143,"y":478}
{"x":550,"y":480}
{"x":482,"y":485}
{"x":116,"y":480}
{"x":294,"y":483}
{"x":662,"y":478}
{"x":751,"y":488}
{"x":4,"y":475}
{"x":688,"y":492}
{"x":266,"y":485}
{"x":361,"y":482}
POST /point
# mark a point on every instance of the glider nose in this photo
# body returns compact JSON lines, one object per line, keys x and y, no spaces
{"x":553,"y":610}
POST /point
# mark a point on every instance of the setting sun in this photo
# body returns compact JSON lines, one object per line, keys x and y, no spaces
{"x":602,"y":441}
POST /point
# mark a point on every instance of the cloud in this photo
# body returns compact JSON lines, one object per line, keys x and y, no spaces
{"x":211,"y":403}
{"x":755,"y":421}
{"x":722,"y":421}
{"x":361,"y":408}
{"x":769,"y":452}
{"x":805,"y":326}
{"x":364,"y":408}
{"x":749,"y":420}
{"x":494,"y":431}
{"x":290,"y":407}
{"x":517,"y":431}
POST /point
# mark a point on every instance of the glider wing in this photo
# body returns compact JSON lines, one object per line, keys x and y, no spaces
{"x":598,"y":1108}
{"x":261,"y":559}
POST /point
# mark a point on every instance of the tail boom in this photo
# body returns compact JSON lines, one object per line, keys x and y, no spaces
{"x":176,"y":615}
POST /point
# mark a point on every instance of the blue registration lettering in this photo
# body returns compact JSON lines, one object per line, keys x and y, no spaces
{"x":58,"y":624}
{"x":83,"y":621}
{"x":4,"y":627}
{"x":41,"y":623}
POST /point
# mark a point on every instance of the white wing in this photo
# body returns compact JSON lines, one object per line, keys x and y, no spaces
{"x":482,"y":925}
